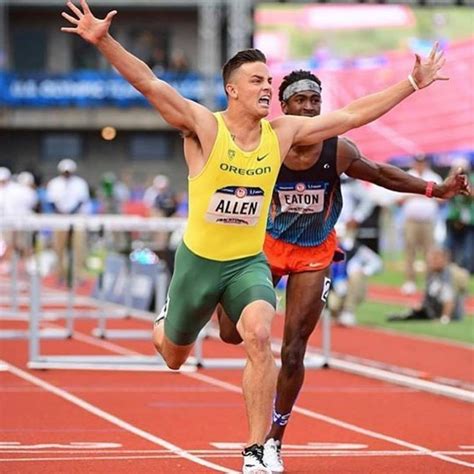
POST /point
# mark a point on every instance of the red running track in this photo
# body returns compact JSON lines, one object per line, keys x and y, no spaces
{"x":171,"y":423}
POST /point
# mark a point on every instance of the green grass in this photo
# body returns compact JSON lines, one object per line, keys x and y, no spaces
{"x":392,"y":274}
{"x":374,"y":315}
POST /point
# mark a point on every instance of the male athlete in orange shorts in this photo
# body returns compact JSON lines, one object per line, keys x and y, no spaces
{"x":301,"y":240}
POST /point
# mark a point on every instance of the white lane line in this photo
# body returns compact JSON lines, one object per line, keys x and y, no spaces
{"x":375,"y":434}
{"x":115,"y":420}
{"x":358,"y":367}
{"x":236,"y":452}
{"x":340,"y":423}
{"x":309,"y":413}
{"x":334,"y":454}
{"x":404,"y":380}
{"x":93,"y":341}
{"x":423,"y":337}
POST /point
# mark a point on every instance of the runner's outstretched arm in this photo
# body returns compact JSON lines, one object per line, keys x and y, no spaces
{"x":308,"y":131}
{"x":390,"y":177}
{"x":179,"y":112}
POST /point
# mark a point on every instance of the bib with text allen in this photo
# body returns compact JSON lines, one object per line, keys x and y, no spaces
{"x":235,"y":205}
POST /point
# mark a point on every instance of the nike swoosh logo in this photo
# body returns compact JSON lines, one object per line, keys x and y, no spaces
{"x":314,"y":265}
{"x":260,"y":158}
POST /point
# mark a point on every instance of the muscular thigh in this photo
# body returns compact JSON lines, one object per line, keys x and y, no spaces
{"x":306,"y":295}
{"x":246,"y":281}
{"x":192,"y":296}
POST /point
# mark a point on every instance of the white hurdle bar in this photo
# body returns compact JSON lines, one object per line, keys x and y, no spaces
{"x":127,"y":362}
{"x":92,"y":223}
{"x":94,"y":362}
{"x":101,"y":331}
{"x":15,"y":314}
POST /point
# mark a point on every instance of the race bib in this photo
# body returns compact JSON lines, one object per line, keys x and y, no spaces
{"x":234,"y":205}
{"x":301,"y":198}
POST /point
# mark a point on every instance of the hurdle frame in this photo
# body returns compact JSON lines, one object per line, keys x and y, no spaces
{"x":37,"y":360}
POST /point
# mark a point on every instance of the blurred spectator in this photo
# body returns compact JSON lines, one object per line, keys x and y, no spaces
{"x":113,"y":193}
{"x":389,"y":225}
{"x":16,"y":200}
{"x":142,"y":45}
{"x":182,"y":205}
{"x":358,"y":206}
{"x":420,"y":214}
{"x":8,"y":195}
{"x":149,"y":47}
{"x":350,"y":277}
{"x":28,"y":204}
{"x":159,"y":198}
{"x":68,"y":194}
{"x":158,"y":62}
{"x":162,"y":203}
{"x":446,"y":285}
{"x":28,"y":201}
{"x":182,"y":208}
{"x":460,"y":224}
{"x":179,"y":63}
{"x":349,"y":280}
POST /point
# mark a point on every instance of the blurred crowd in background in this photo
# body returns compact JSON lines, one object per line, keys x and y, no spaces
{"x":374,"y":222}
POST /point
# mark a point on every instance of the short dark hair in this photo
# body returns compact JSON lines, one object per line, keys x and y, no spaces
{"x":242,"y":57}
{"x":296,"y":76}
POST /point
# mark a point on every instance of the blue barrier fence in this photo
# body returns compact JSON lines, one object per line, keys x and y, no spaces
{"x":92,"y":89}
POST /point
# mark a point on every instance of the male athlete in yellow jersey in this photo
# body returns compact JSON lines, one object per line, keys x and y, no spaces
{"x":233,"y":159}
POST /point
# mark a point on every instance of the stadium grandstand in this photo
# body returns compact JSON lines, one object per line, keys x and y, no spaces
{"x":58,"y":94}
{"x":59,"y":97}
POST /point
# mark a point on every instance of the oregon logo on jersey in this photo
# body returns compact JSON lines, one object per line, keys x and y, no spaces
{"x":245,"y":171}
{"x":235,"y":205}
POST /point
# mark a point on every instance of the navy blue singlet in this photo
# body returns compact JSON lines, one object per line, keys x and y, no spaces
{"x":306,"y":203}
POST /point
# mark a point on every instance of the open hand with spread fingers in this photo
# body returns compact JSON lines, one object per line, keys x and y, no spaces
{"x":456,"y":183}
{"x":87,"y":26}
{"x":428,"y":70}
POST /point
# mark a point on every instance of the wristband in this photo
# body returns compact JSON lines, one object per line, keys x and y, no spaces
{"x":413,"y":82}
{"x":429,"y":189}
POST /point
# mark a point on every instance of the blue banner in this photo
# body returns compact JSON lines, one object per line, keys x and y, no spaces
{"x":92,"y":89}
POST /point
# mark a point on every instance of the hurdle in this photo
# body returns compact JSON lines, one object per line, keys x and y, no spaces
{"x":15,"y":300}
{"x":69,"y":223}
{"x":37,"y":360}
{"x":17,"y":288}
{"x":158,"y":281}
{"x":148,"y":363}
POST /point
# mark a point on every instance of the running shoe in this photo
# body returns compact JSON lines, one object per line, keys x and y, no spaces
{"x":253,"y":460}
{"x":272,"y":455}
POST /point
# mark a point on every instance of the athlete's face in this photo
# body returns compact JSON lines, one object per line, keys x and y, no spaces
{"x":307,"y":103}
{"x":251,"y":86}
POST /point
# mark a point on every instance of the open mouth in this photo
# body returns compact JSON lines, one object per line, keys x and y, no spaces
{"x":264,"y":100}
